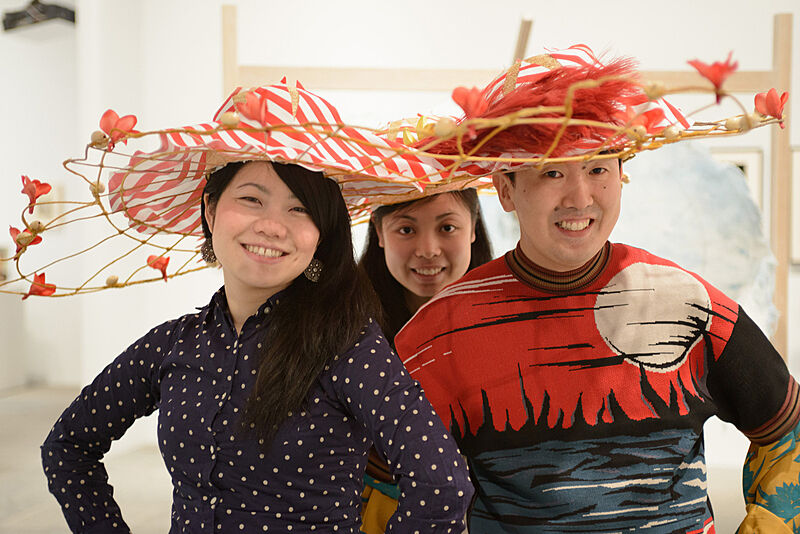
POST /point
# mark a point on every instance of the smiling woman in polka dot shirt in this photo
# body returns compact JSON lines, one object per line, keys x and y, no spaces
{"x":270,"y":396}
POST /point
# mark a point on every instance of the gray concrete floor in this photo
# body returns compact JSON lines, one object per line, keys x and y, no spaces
{"x":141,"y":483}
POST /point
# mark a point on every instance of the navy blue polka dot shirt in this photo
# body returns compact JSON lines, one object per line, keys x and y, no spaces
{"x":198,"y":373}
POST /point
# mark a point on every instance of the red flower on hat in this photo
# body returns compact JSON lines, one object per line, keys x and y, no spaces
{"x":117,"y":127}
{"x":35,"y":239}
{"x":716,"y":73}
{"x":34,"y":189}
{"x":39,"y":287}
{"x":255,"y":107}
{"x":472,"y":102}
{"x":159,"y":263}
{"x":652,"y":119}
{"x":771,"y":104}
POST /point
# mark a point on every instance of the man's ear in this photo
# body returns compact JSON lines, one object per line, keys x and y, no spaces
{"x":504,"y":187}
{"x":209,"y":213}
{"x":623,"y":178}
{"x":378,"y":230}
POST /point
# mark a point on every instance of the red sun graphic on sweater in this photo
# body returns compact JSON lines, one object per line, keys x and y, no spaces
{"x":631,"y":344}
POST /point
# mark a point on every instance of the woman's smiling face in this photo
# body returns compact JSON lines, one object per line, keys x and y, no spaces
{"x":427,"y":245}
{"x":263,"y":236}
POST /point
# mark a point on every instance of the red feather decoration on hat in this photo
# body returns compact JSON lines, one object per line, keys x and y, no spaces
{"x":601,"y":103}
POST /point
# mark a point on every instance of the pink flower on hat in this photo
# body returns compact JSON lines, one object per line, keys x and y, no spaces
{"x":39,"y":287}
{"x":159,"y":263}
{"x":716,"y":73}
{"x":15,"y":232}
{"x":34,"y":189}
{"x":117,"y":127}
{"x":771,"y":104}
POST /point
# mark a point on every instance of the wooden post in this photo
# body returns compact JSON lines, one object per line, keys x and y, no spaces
{"x":522,"y":39}
{"x":230,"y":61}
{"x":781,"y":164}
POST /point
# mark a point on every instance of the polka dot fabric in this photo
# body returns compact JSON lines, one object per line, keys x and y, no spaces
{"x":198,"y":373}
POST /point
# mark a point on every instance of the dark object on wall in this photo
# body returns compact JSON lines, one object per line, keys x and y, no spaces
{"x":36,"y":12}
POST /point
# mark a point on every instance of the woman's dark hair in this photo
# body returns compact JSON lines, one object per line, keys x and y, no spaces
{"x":390,"y":292}
{"x":312,"y":321}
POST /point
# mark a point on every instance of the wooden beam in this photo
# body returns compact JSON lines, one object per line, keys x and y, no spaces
{"x":368,"y":79}
{"x":781,"y":157}
{"x":522,"y":39}
{"x":230,"y":58}
{"x":445,"y":80}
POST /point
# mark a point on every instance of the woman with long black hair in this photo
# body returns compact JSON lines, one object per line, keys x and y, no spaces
{"x":270,"y":396}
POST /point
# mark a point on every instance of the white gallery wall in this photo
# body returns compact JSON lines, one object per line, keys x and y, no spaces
{"x":161,"y":60}
{"x":37,"y":97}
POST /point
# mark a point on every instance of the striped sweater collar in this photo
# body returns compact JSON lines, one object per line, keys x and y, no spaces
{"x":552,"y":281}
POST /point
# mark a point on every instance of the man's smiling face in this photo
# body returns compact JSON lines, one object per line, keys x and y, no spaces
{"x":566,"y":210}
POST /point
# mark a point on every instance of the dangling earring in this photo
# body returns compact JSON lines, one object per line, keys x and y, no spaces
{"x":207,"y":252}
{"x":314,"y":270}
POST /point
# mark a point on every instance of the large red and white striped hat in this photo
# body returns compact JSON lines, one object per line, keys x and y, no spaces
{"x":160,"y":191}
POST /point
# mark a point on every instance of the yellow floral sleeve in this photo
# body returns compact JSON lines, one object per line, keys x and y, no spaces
{"x":771,"y":486}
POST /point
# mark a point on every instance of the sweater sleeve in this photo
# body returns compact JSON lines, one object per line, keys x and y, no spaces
{"x":751,"y":386}
{"x":435,"y":490}
{"x":72,"y":453}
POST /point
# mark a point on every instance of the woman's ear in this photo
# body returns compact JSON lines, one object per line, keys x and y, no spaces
{"x":378,"y":230}
{"x":209,"y":212}
{"x":474,"y":222}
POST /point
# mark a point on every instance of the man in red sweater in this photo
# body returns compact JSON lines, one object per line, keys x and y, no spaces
{"x":575,"y":373}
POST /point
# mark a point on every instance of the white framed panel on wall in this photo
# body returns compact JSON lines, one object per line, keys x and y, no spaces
{"x":751,"y":162}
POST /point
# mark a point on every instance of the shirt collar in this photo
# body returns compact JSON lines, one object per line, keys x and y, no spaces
{"x":552,"y":281}
{"x":218,"y":308}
